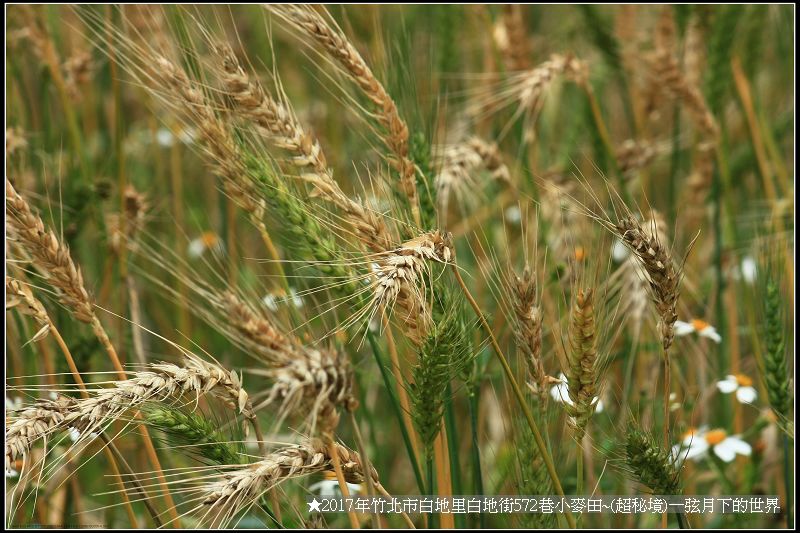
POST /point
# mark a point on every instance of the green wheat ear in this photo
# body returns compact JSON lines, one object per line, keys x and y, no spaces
{"x":199,"y":434}
{"x":775,"y":371}
{"x":650,"y":464}
{"x":533,"y":477}
{"x":443,"y":356}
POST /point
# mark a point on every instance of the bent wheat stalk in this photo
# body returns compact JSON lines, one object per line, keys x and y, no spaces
{"x":395,"y":135}
{"x":276,"y":121}
{"x":53,"y":260}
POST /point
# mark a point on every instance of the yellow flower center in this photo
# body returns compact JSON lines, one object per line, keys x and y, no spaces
{"x":743,"y":380}
{"x":580,"y":254}
{"x":209,"y":239}
{"x":329,"y":474}
{"x":688,"y":433}
{"x":699,"y":325}
{"x":715,"y":436}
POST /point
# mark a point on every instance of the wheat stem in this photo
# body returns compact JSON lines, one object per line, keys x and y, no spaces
{"x":337,"y":468}
{"x":548,"y":460}
{"x":109,"y":455}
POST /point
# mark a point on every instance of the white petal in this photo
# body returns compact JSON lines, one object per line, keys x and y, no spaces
{"x":165,"y":138}
{"x":738,"y":445}
{"x":698,"y":448}
{"x":270,"y":302}
{"x":746,"y":394}
{"x":728,"y":385}
{"x":683,"y":328}
{"x":11,"y":473}
{"x":513,"y":214}
{"x":326,"y":488}
{"x":561,"y":393}
{"x":749,"y":269}
{"x":676,"y":452}
{"x":196,"y":248}
{"x":619,"y":252}
{"x":724,"y":451}
{"x":599,"y":405}
{"x":297,"y":300}
{"x":187,"y":136}
{"x":710,"y":333}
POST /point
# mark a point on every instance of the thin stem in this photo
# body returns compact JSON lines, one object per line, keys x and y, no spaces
{"x":579,"y":466}
{"x":405,"y":517}
{"x":667,"y":387}
{"x":79,"y":380}
{"x":102,"y":336}
{"x":537,"y":436}
{"x":362,"y":451}
{"x":337,"y":468}
{"x":452,"y":449}
{"x":397,"y":411}
{"x":476,"y":451}
{"x":401,"y":391}
{"x":128,"y":471}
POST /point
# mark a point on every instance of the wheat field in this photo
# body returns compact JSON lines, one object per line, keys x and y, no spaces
{"x":261,"y":252}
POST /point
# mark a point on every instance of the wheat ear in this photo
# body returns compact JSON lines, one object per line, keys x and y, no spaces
{"x":527,"y":327}
{"x":276,"y":121}
{"x":401,"y":278}
{"x":238,"y":488}
{"x":336,"y":44}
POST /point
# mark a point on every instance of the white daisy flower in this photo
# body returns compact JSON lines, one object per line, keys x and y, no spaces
{"x":695,"y":444}
{"x":701,"y":327}
{"x":741,"y":384}
{"x":513,"y":214}
{"x":560,"y":393}
{"x":207,"y":241}
{"x":165,"y":137}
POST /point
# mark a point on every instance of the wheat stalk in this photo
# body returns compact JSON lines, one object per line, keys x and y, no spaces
{"x":276,"y":121}
{"x":91,"y":414}
{"x":49,"y":255}
{"x":667,"y":76}
{"x":222,"y":149}
{"x":664,"y":276}
{"x":336,"y":44}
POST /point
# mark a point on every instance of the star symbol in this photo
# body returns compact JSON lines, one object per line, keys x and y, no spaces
{"x":313,"y":505}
